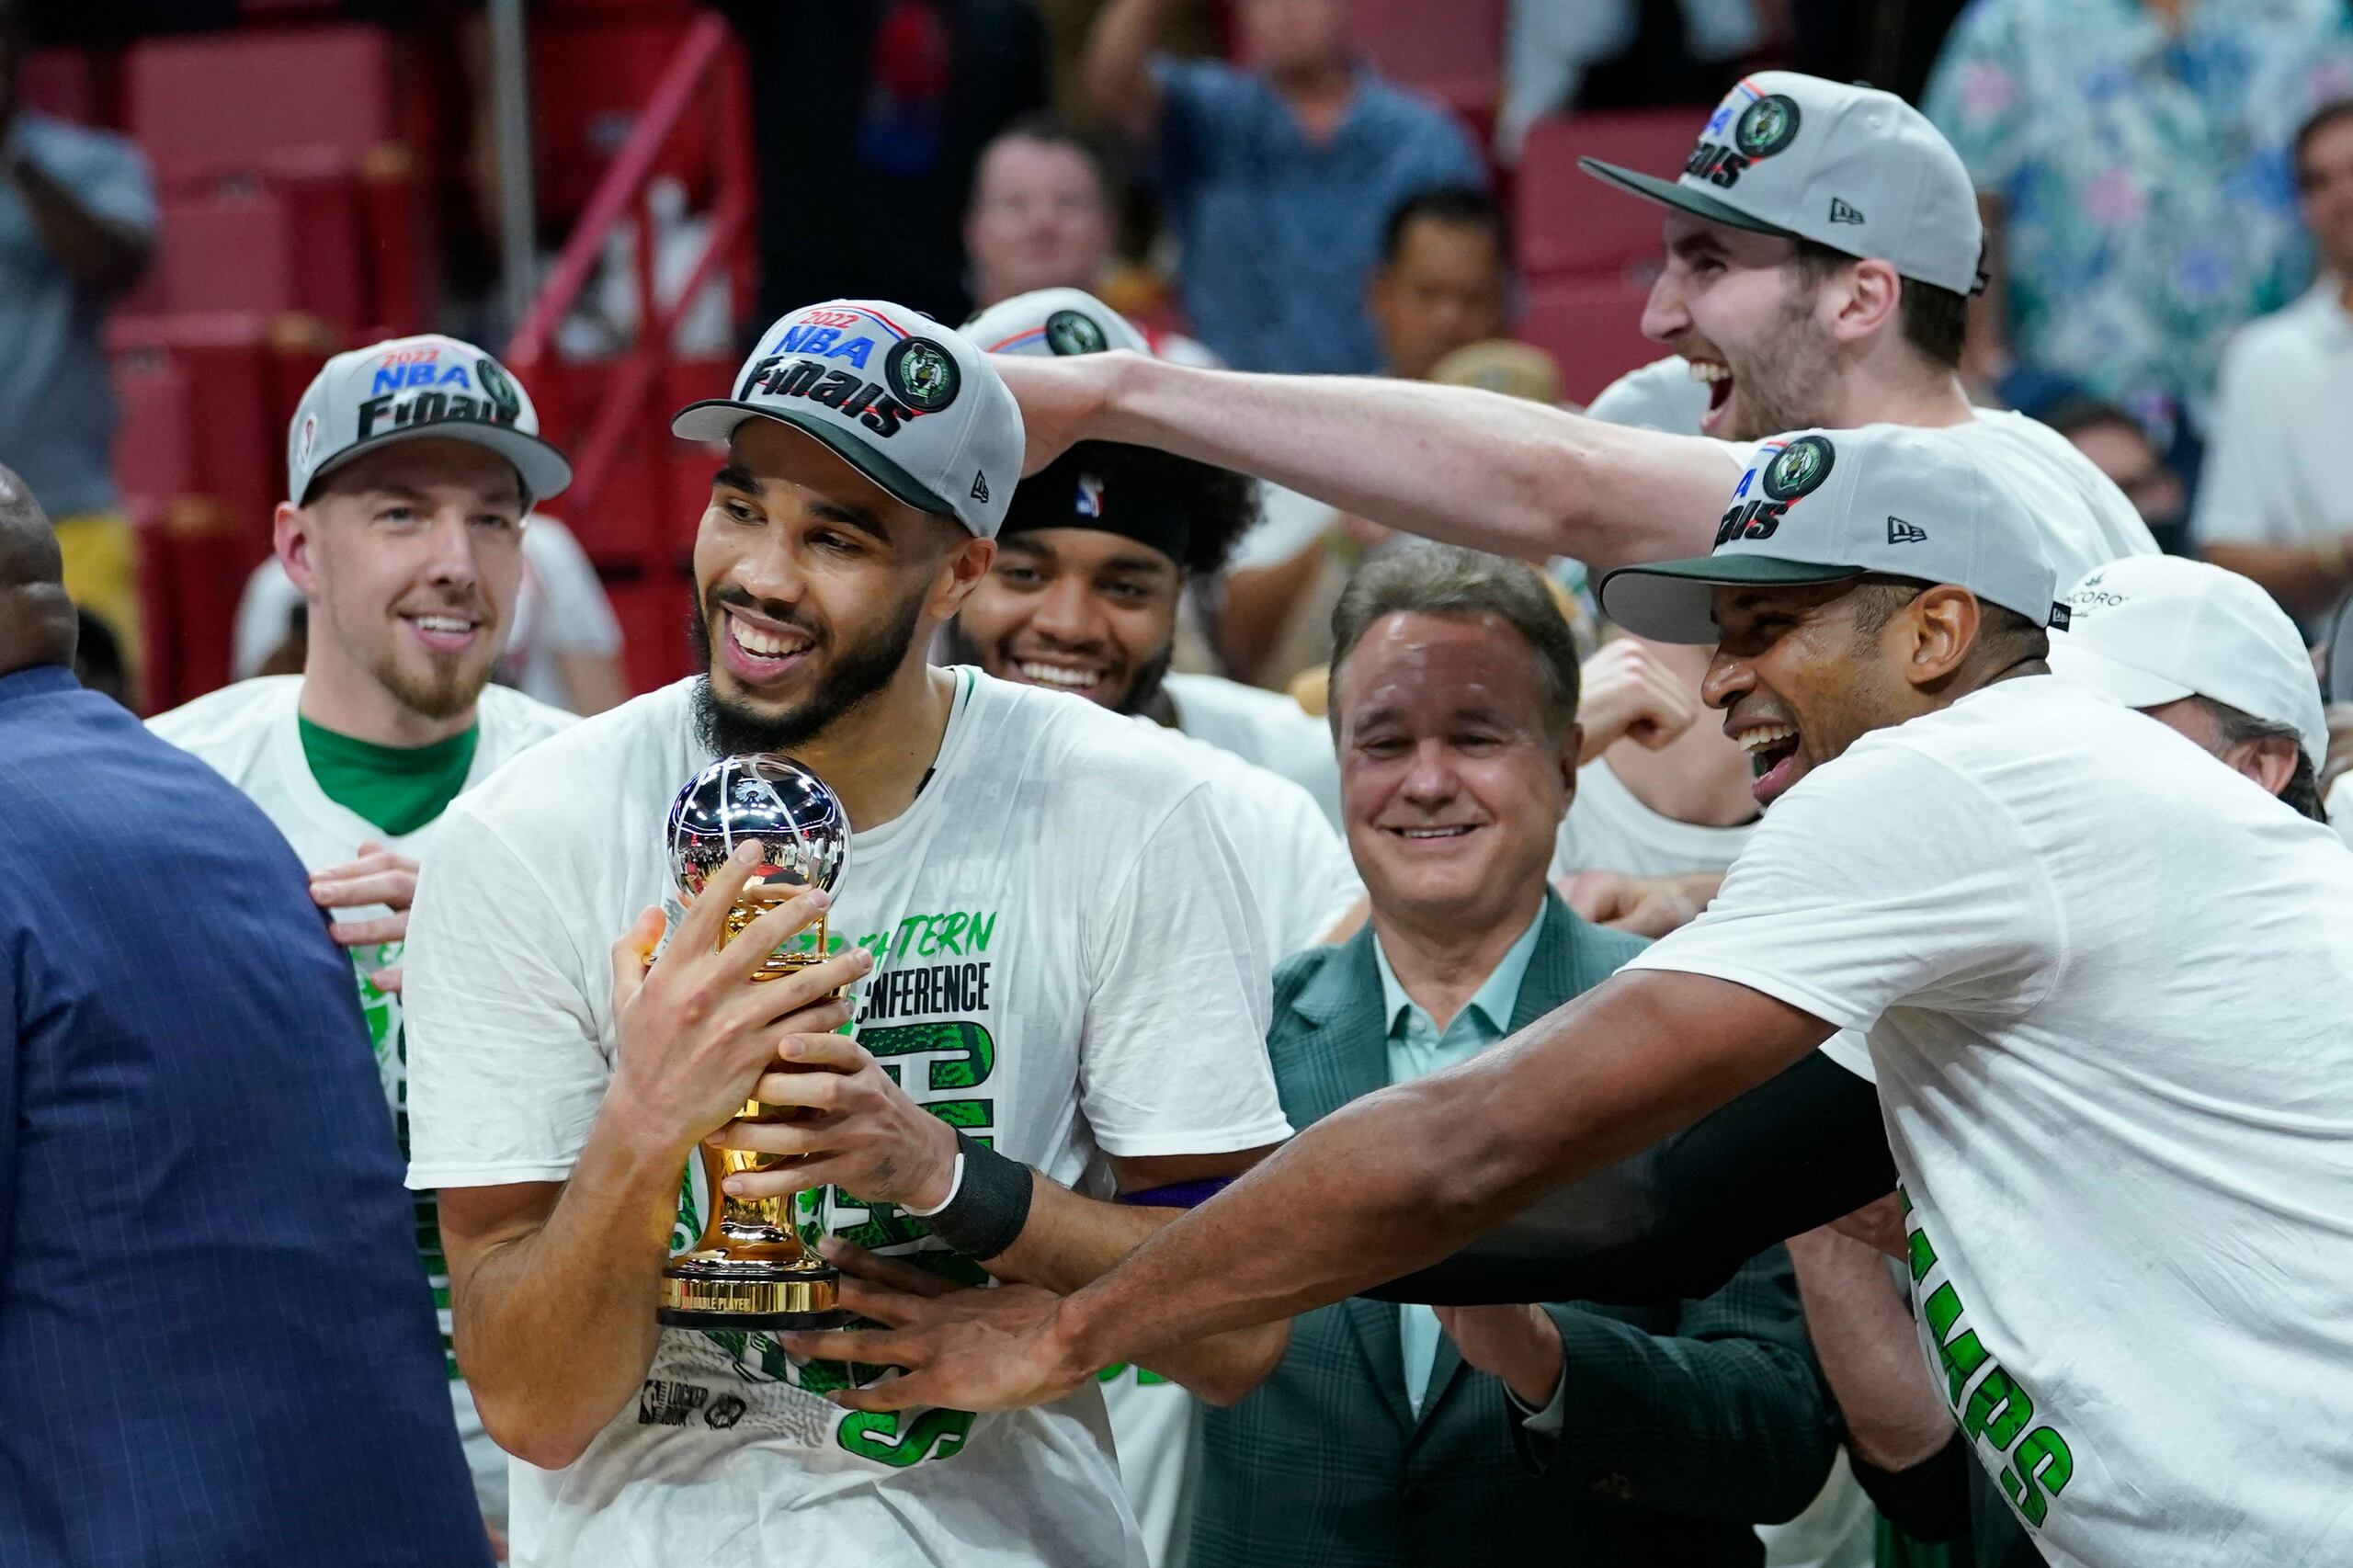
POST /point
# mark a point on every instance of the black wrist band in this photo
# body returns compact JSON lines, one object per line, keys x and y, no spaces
{"x":991,"y":1204}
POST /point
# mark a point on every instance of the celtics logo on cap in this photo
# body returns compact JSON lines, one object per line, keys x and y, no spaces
{"x":1799,"y":468}
{"x":1766,"y":126}
{"x":501,"y":392}
{"x":922,"y":375}
{"x":1069,"y":332}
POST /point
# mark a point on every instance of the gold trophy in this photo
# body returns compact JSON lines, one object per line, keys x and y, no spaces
{"x":748,"y":1269}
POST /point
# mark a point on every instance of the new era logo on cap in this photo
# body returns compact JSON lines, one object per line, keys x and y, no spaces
{"x":1853,"y":168}
{"x":911,"y":404}
{"x":1826,"y":505}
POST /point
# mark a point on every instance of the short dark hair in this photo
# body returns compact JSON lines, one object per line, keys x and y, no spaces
{"x":2078,"y":412}
{"x":1046,"y":126}
{"x":2320,"y":119}
{"x":1455,"y":206}
{"x":1933,"y":320}
{"x":1423,"y":578}
{"x":2302,"y":792}
{"x":2003,"y":635}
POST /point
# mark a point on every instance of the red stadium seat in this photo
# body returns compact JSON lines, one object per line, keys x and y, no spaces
{"x":1570,"y":222}
{"x":63,"y":84}
{"x":590,"y":77}
{"x":1593,"y":328}
{"x":230,"y":251}
{"x":1453,"y":52}
{"x":246,"y":102}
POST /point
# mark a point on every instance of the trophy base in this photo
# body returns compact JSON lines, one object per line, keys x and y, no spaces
{"x":715,"y":1289}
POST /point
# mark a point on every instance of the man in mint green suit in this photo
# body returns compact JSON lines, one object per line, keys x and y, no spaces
{"x":1556,"y":1433}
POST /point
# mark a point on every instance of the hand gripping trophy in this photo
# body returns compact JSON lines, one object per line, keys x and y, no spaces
{"x":748,"y":1269}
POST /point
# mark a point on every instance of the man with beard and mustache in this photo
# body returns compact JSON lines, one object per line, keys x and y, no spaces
{"x":1057,"y":978}
{"x":411,"y":465}
{"x":1820,"y":246}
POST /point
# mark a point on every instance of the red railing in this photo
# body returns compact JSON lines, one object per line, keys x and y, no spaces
{"x":706,"y":74}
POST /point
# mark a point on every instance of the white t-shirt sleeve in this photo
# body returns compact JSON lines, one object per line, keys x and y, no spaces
{"x":264,"y":614}
{"x":1886,"y":879}
{"x":1288,"y":523}
{"x":576,"y":617}
{"x":2233,"y":489}
{"x":1175,"y":1057}
{"x":507,"y":1068}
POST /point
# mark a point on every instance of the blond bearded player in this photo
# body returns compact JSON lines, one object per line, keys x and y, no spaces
{"x":1051,"y":943}
{"x":411,"y":466}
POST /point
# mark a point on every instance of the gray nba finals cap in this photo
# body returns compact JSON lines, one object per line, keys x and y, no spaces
{"x":1825,"y":506}
{"x":412,"y":387}
{"x":1853,"y":168}
{"x":1050,"y":323}
{"x":2150,"y":630}
{"x":911,"y":404}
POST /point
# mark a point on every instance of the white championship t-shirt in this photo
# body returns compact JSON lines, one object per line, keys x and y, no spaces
{"x":1609,"y":829}
{"x":1069,"y":964}
{"x":248,"y":733}
{"x":2107,"y":985}
{"x":1300,"y":875}
{"x":1269,"y":728}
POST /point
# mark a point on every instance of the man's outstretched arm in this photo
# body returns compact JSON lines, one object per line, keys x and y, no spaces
{"x":1452,"y":463}
{"x":1390,"y":1183}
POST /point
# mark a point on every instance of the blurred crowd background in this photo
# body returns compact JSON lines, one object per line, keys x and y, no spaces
{"x":207,"y":197}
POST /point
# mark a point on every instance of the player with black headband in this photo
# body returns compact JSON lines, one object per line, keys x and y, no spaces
{"x":1192,"y":514}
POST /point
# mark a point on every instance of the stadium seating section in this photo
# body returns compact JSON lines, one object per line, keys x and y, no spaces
{"x":302,"y":162}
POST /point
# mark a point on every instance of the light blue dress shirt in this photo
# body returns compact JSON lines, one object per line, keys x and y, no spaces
{"x":1416,"y":1047}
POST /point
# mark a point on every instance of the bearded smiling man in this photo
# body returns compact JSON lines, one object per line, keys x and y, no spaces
{"x":1820,"y":251}
{"x":566,"y":1061}
{"x":411,"y":466}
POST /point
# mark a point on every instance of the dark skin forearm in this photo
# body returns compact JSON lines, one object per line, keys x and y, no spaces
{"x":103,"y":256}
{"x":1400,"y":1178}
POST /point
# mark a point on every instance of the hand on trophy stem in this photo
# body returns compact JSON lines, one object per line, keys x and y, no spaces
{"x":695,"y":1026}
{"x":863,"y":1135}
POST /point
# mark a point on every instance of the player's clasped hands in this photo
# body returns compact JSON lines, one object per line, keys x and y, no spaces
{"x":859,"y":1131}
{"x":696,"y":1030}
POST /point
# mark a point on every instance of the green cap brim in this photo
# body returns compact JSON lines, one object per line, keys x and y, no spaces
{"x":1672,"y":193}
{"x":715,"y":419}
{"x":1671,"y":601}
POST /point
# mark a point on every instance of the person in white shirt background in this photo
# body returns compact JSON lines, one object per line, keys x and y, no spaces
{"x":562,"y":647}
{"x":2271,"y":500}
{"x":411,"y":468}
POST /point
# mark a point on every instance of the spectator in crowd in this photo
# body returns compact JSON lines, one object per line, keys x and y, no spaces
{"x":1550,"y":48}
{"x":562,"y":645}
{"x":1386,"y":1436}
{"x":2270,"y":498}
{"x":1126,"y":657}
{"x":77,"y":226}
{"x":215,"y":1343}
{"x":2132,"y":157}
{"x":2119,"y":446}
{"x":405,"y":545}
{"x":1277,"y":178}
{"x":1443,"y":283}
{"x":1041,"y":215}
{"x":907,"y":92}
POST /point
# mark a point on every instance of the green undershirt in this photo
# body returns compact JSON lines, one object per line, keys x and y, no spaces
{"x":399,"y":789}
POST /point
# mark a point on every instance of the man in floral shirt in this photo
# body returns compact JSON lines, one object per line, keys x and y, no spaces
{"x":2133,"y":159}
